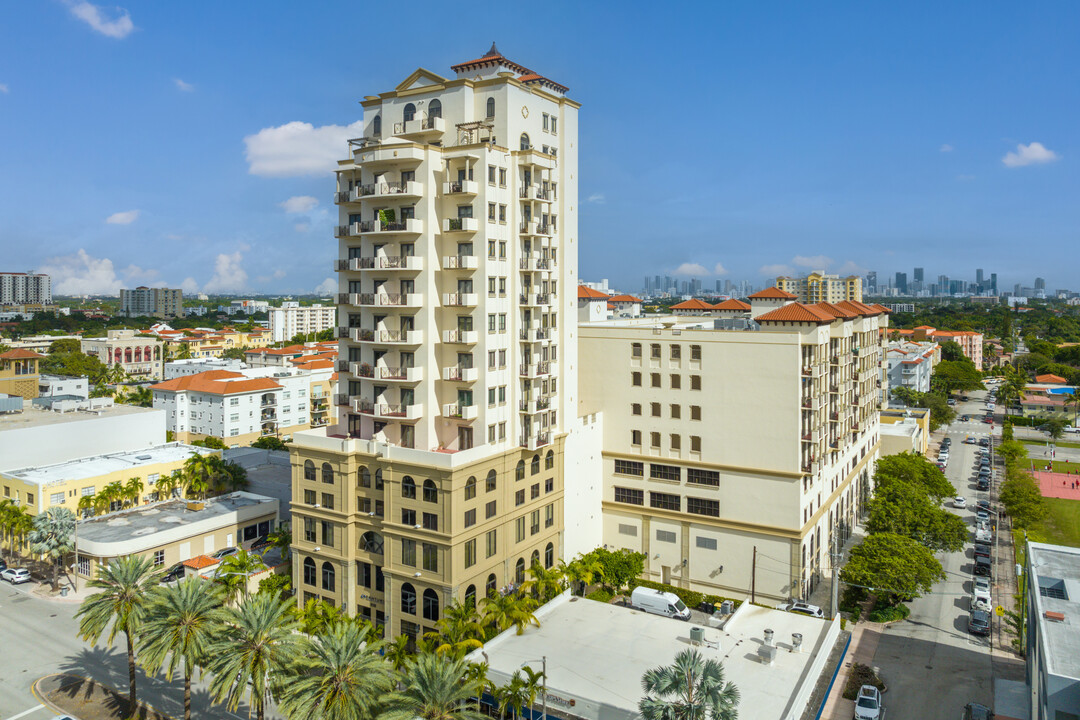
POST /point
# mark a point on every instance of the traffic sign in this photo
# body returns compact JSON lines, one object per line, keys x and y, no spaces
{"x":999,"y":611}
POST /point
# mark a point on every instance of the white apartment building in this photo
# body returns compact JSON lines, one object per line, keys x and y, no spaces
{"x":239,"y":406}
{"x":25,"y":289}
{"x":731,"y":458}
{"x":57,"y":386}
{"x":290,"y":320}
{"x":152,"y":302}
{"x":245,"y":307}
{"x":457,"y":259}
{"x":910,"y":364}
{"x":194,"y":366}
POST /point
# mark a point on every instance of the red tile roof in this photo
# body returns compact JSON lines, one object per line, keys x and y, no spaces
{"x":216,"y":382}
{"x":587,"y":293}
{"x":772,"y":293}
{"x":882,"y":308}
{"x":494,"y":57}
{"x":797,"y":313}
{"x":1048,"y":379}
{"x":625,"y":298}
{"x":199,"y":562}
{"x":836,"y":310}
{"x":733,"y":304}
{"x":692,"y":304}
{"x":21,"y":354}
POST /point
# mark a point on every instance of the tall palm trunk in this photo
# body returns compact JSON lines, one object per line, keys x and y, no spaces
{"x":131,"y":672}
{"x":187,"y":693}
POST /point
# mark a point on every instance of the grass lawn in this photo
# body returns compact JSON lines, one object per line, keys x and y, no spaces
{"x":1058,"y":443}
{"x":1072,"y":468}
{"x":1061,"y":526}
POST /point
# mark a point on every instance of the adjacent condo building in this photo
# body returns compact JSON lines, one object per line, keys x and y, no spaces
{"x":821,"y":287}
{"x":25,"y":289}
{"x":290,"y":320}
{"x":457,"y":260}
{"x":152,"y":302}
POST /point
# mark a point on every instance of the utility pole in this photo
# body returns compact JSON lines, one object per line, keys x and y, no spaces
{"x":753,"y":575}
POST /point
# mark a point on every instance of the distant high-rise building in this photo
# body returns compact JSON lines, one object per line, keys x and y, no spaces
{"x":979,"y":276}
{"x":918,"y":275}
{"x":942,"y":285}
{"x":993,"y":283}
{"x":1040,"y":284}
{"x":901,"y":283}
{"x":695,"y":286}
{"x":719,"y":286}
{"x":152,"y":302}
{"x":25,"y":288}
{"x":871,"y":282}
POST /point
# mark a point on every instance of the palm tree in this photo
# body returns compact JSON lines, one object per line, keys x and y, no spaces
{"x":167,"y":484}
{"x":115,"y":374}
{"x":476,"y":677}
{"x":546,"y":583}
{"x":111,"y":493}
{"x":458,"y":631}
{"x":233,"y":478}
{"x":692,"y":688}
{"x":20,"y":523}
{"x":132,"y":488}
{"x":397,"y":652}
{"x":315,"y":616}
{"x":126,"y":585}
{"x":281,"y":539}
{"x":583,"y":571}
{"x":343,"y":678}
{"x":201,"y":471}
{"x":1073,"y":399}
{"x":503,"y":611}
{"x":181,"y":622}
{"x":53,"y":536}
{"x":434,"y":688}
{"x":234,"y":571}
{"x":514,"y":695}
{"x":254,"y":653}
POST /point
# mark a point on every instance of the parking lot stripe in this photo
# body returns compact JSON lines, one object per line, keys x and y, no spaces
{"x":24,"y":713}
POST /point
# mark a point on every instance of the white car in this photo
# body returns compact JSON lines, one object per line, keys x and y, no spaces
{"x":982,"y":584}
{"x":16,"y":576}
{"x":803,"y":608}
{"x":959,"y":503}
{"x":980,"y":600}
{"x":868,"y":704}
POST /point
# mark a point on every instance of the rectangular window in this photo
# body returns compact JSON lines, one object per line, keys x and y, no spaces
{"x":489,"y":510}
{"x":676,"y":382}
{"x":629,"y":467}
{"x":676,"y":412}
{"x":628,"y":530}
{"x":635,"y":408}
{"x":665,"y":501}
{"x":431,"y":521}
{"x":635,"y":379}
{"x":408,"y":552}
{"x":491,"y":212}
{"x":363,"y":574}
{"x":534,"y":522}
{"x":705,"y":543}
{"x":676,"y":442}
{"x":676,"y":352}
{"x":695,"y":382}
{"x":431,"y":557}
{"x":654,"y":379}
{"x":549,"y":516}
{"x":519,"y":498}
{"x":697,"y":476}
{"x":519,"y":529}
{"x":470,"y":553}
{"x":56,"y":498}
{"x":701,"y":506}
{"x":635,"y":437}
{"x":159,"y":558}
{"x":328,"y":501}
{"x":629,"y":496}
{"x":309,"y":497}
{"x":695,"y":443}
{"x":470,"y":517}
{"x":665,"y":536}
{"x":408,"y":517}
{"x":85,"y":492}
{"x":635,"y":350}
{"x":654,"y":409}
{"x":309,"y":530}
{"x":695,"y":412}
{"x":654,"y":351}
{"x":502,"y":213}
{"x":534,"y":491}
{"x":502,"y":177}
{"x":491,"y":174}
{"x":549,"y":485}
{"x":491,"y":543}
{"x":665,"y":472}
{"x":654,"y":439}
{"x":695,"y":352}
{"x":327,"y":533}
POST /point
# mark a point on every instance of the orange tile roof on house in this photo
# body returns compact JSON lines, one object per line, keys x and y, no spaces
{"x":216,"y":382}
{"x":882,"y":308}
{"x":692,"y":304}
{"x":1048,"y":379}
{"x":625,"y":299}
{"x":494,"y":57}
{"x":21,"y":354}
{"x":772,"y":293}
{"x":797,"y":313}
{"x":925,"y":327}
{"x":733,"y":304}
{"x":587,"y":293}
{"x":860,"y":308}
{"x":199,"y":562}
{"x":835,"y":310}
{"x":320,"y":364}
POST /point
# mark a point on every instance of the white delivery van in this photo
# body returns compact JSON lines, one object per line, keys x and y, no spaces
{"x":659,"y":602}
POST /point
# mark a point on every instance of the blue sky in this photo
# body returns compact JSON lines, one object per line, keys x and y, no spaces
{"x":191,"y":143}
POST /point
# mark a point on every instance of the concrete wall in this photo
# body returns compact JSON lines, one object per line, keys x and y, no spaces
{"x":91,"y":435}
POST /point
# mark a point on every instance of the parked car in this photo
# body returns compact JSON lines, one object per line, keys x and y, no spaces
{"x":659,"y":602}
{"x":981,"y":514}
{"x":980,"y":601}
{"x":979,"y":622}
{"x":260,"y":544}
{"x":982,"y":583}
{"x":176,"y":572}
{"x":15,"y":576}
{"x":983,"y":536}
{"x":983,"y":505}
{"x":975,"y":711}
{"x":982,"y":566}
{"x":868,"y":704}
{"x":982,"y":550}
{"x":983,"y":483}
{"x":959,"y":502}
{"x":984,"y":442}
{"x":225,"y":552}
{"x":969,"y":440}
{"x":803,"y":608}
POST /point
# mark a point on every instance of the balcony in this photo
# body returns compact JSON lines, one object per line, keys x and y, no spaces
{"x":461,"y":224}
{"x":409,"y":300}
{"x":460,"y":337}
{"x":534,"y":264}
{"x":460,"y":374}
{"x":534,"y":157}
{"x":535,"y":299}
{"x":386,"y":411}
{"x":382,"y":190}
{"x":420,"y":128}
{"x":534,"y":370}
{"x":461,"y":187}
{"x":536,"y":405}
{"x":361,"y":369}
{"x":459,"y":299}
{"x":535,"y":192}
{"x":460,"y":262}
{"x":398,"y":337}
{"x":356,"y":335}
{"x":811,"y":467}
{"x":386,"y":156}
{"x":535,"y":334}
{"x":268,"y":416}
{"x":535,"y":442}
{"x":411,"y":226}
{"x":350,"y":230}
{"x":343,"y":196}
{"x":535,"y":227}
{"x":813,"y":437}
{"x":398,"y":262}
{"x":341,"y":398}
{"x":400,"y":374}
{"x":268,"y":400}
{"x":462,"y":412}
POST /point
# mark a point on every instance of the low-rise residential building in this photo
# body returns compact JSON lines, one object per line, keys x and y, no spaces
{"x":19,"y":373}
{"x":292,"y":319}
{"x":822,"y":287}
{"x":152,"y":302}
{"x":692,"y":480}
{"x":245,"y":307}
{"x":63,"y":386}
{"x":141,"y":357}
{"x":1053,"y":634}
{"x":194,"y":366}
{"x":283,"y":357}
{"x":898,"y":434}
{"x":910,"y":364}
{"x":175,"y":531}
{"x":627,"y":305}
{"x":591,"y":304}
{"x":970,"y":342}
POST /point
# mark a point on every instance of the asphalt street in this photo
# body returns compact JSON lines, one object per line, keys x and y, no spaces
{"x":931,"y":664}
{"x":40,"y":637}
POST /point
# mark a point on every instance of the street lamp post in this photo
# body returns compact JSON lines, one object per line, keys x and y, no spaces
{"x":543,"y":691}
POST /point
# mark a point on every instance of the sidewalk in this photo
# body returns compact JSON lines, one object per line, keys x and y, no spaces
{"x":865,"y":637}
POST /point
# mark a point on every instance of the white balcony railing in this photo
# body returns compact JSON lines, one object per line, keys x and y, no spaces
{"x":464,"y":412}
{"x":460,"y":374}
{"x":460,"y":262}
{"x":462,"y":337}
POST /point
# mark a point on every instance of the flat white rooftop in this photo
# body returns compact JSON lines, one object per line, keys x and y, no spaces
{"x":1055,"y":571}
{"x":98,"y":465}
{"x":596,"y":654}
{"x":35,"y":417}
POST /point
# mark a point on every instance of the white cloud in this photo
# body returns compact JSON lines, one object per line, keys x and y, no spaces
{"x":776,"y":269}
{"x":229,"y":276}
{"x":719,"y":269}
{"x":135,"y":275}
{"x":298,"y":148}
{"x":189,"y":286}
{"x":123,"y":218}
{"x":279,"y":273}
{"x":181,"y":85}
{"x":302,"y":227}
{"x":596,"y":199}
{"x":326,"y":287}
{"x":815,"y":262}
{"x":118,"y":28}
{"x":946,"y":148}
{"x":4,"y":88}
{"x":1033,"y":154}
{"x":300,"y":204}
{"x":81,"y":274}
{"x":692,"y":269}
{"x":850,"y":268}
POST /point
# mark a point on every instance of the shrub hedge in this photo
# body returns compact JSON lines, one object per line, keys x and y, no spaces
{"x":861,"y":675}
{"x":600,"y":595}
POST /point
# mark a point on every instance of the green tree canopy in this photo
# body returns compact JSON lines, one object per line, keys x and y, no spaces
{"x":74,"y":364}
{"x":953,"y":375}
{"x":893,"y":563}
{"x":65,"y":345}
{"x":905,"y":509}
{"x":53,"y":537}
{"x":951,"y":351}
{"x":691,"y":688}
{"x":270,"y":442}
{"x":914,"y":469}
{"x":1022,"y":499}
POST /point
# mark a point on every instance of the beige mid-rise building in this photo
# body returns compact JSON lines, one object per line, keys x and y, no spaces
{"x":821,"y":287}
{"x":442,"y":477}
{"x":732,"y":458}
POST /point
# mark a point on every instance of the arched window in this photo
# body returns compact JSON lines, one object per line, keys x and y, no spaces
{"x":378,"y":479}
{"x":365,"y":477}
{"x":138,"y":354}
{"x":372,"y":542}
{"x":408,"y":599}
{"x":549,"y":555}
{"x":431,"y":605}
{"x":327,"y":473}
{"x":309,"y":470}
{"x":525,"y":141}
{"x":434,"y":109}
{"x":470,"y":596}
{"x":549,"y":460}
{"x":535,"y":559}
{"x":519,"y":571}
{"x":536,"y":464}
{"x":127,"y":354}
{"x":376,"y":125}
{"x":408,"y":488}
{"x":470,"y":488}
{"x":309,"y":572}
{"x":490,"y":107}
{"x":490,"y":483}
{"x":431,"y":491}
{"x":409,"y":112}
{"x":519,"y":473}
{"x":490,"y":586}
{"x":328,"y":576}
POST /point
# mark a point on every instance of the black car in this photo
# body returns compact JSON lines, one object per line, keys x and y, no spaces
{"x":176,"y":572}
{"x":3,"y":565}
{"x":260,"y":544}
{"x":982,"y":566}
{"x":983,"y":505}
{"x":982,"y":550}
{"x":984,"y":442}
{"x":983,"y":484}
{"x":979,"y":622}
